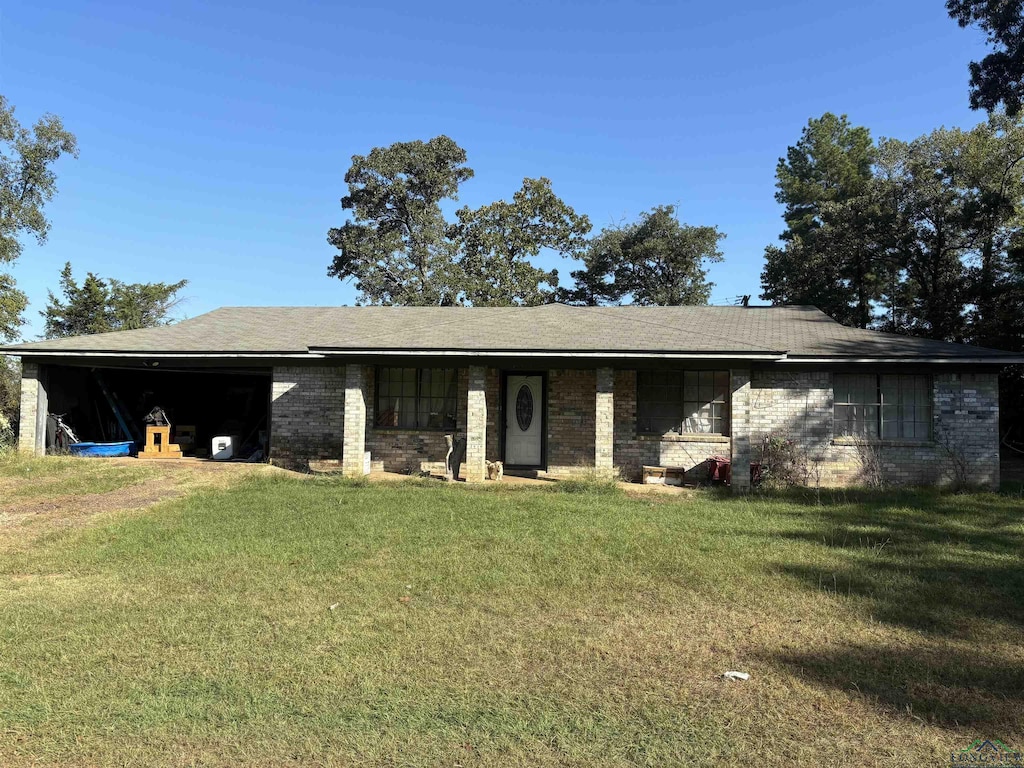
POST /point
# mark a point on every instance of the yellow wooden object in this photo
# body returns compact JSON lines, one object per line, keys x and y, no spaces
{"x":159,"y":445}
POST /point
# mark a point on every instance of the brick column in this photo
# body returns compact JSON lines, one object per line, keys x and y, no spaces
{"x":476,"y":424}
{"x":354,"y":444}
{"x":34,"y":405}
{"x":604,"y":422}
{"x":739,"y":425}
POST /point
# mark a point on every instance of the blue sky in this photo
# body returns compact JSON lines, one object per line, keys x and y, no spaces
{"x":215,"y":137}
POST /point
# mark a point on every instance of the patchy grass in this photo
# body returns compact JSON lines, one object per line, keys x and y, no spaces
{"x":313,"y":621}
{"x":26,"y":476}
{"x":18,"y":465}
{"x":40,"y":496}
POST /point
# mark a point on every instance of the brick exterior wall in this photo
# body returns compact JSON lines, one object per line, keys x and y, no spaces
{"x":632,"y":451}
{"x":305,"y":397}
{"x":739,"y":428}
{"x":411,"y":451}
{"x":571,"y":399}
{"x":308,"y":419}
{"x":406,"y":450}
{"x":307,"y":414}
{"x":495,"y":413}
{"x":800,"y":405}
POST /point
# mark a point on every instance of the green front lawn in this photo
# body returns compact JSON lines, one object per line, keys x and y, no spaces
{"x":294,"y":621}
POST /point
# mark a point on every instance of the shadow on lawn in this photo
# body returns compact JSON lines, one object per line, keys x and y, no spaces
{"x":946,"y":566}
{"x":934,"y":563}
{"x":947,"y":687}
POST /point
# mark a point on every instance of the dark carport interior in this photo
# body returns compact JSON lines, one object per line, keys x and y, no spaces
{"x":201,"y":404}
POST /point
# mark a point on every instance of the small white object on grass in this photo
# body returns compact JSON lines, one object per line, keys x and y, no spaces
{"x":736,"y":676}
{"x":333,"y":606}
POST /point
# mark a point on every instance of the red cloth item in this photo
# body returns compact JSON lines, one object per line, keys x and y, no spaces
{"x":719,"y":469}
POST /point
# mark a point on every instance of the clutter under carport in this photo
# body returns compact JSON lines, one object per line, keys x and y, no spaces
{"x":160,"y":412}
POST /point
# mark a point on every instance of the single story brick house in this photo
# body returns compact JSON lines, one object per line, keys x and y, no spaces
{"x":551,"y":389}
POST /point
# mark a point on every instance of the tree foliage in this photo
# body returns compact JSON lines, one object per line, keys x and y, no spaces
{"x":994,"y":212}
{"x":10,"y":400}
{"x":825,"y":184}
{"x":27,"y":180}
{"x":831,"y":163}
{"x":396,"y":246}
{"x":100,"y":305}
{"x":655,"y":260}
{"x":497,"y":242}
{"x":923,"y":242}
{"x":27,"y":183}
{"x":931,"y":234}
{"x":931,"y":242}
{"x":399,"y":249}
{"x":12,"y":307}
{"x":913,"y":237}
{"x":999,"y":77}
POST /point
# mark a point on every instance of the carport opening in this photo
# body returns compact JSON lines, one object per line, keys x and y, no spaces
{"x":203,"y":405}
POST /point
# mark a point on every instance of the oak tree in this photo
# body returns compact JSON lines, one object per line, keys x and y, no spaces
{"x":396,"y":246}
{"x":653,"y":261}
{"x":496,"y":243}
{"x":27,"y":184}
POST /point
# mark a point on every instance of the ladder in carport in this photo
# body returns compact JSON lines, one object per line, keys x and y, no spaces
{"x":115,"y":405}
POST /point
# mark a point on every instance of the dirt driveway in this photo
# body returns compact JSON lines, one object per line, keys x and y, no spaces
{"x":40,"y":496}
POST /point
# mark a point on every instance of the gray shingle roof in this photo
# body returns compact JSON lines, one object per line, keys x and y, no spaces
{"x":798,"y":332}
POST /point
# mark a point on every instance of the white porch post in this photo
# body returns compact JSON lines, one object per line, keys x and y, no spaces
{"x":355,"y":422}
{"x":604,"y":422}
{"x":476,"y":425}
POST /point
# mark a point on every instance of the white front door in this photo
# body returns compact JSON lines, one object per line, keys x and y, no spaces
{"x":524,"y":406}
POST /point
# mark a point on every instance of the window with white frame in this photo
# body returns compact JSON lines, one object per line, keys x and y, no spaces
{"x":883,"y":406}
{"x":682,"y":402}
{"x":417,"y":398}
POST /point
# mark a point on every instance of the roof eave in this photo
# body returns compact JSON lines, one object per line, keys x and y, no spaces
{"x":546,"y":353}
{"x":920,"y":359}
{"x":320,"y":353}
{"x":167,"y":355}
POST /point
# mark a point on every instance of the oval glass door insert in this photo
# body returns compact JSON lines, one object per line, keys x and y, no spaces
{"x":524,"y":407}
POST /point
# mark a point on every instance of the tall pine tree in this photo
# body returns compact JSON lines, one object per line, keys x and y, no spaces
{"x":825,"y":184}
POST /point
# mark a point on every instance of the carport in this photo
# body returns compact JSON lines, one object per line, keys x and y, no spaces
{"x":212,"y":373}
{"x":107,"y":401}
